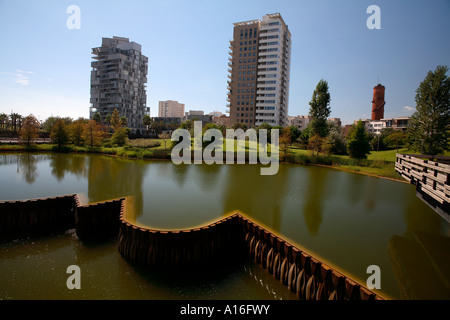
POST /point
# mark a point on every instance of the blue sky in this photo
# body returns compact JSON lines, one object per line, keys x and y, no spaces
{"x":45,"y":67}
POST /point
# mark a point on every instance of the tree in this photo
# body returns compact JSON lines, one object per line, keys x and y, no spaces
{"x":320,"y":109}
{"x":76,"y":131}
{"x":16,"y":121}
{"x":239,"y":125}
{"x":49,"y":123}
{"x":29,"y":130}
{"x":120,"y":137}
{"x":395,"y":140}
{"x":147,"y":121}
{"x":285,"y":141}
{"x":115,"y":121}
{"x":305,"y":135}
{"x":92,"y":134}
{"x":295,"y":133}
{"x":60,"y":133}
{"x":4,"y":121}
{"x":108,"y":119}
{"x":429,"y":129}
{"x":124,"y":121}
{"x":315,"y":143}
{"x":164,"y":136}
{"x":97,"y":117}
{"x":358,"y":146}
{"x":158,"y":126}
{"x":335,"y":142}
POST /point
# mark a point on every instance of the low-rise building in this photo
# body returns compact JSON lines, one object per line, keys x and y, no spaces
{"x":377,"y":126}
{"x":222,"y":120}
{"x":301,"y":122}
{"x":170,"y":109}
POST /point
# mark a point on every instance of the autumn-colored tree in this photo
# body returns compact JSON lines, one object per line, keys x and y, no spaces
{"x":115,"y":121}
{"x":285,"y":141}
{"x":93,"y":134}
{"x":60,"y":133}
{"x":29,"y":131}
{"x":315,"y":143}
{"x":76,"y":131}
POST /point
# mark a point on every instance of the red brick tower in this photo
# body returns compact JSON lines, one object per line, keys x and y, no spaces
{"x":378,"y":102}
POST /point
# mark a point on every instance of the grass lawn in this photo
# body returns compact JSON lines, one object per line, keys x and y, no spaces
{"x":388,"y":155}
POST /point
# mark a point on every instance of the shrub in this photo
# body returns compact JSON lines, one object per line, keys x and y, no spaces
{"x":120,"y":137}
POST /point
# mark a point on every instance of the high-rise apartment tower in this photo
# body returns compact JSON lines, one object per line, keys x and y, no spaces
{"x":170,"y":109}
{"x":258,"y":86}
{"x":118,"y":79}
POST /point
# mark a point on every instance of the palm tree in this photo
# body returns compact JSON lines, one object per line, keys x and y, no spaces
{"x":147,"y":121}
{"x":15,"y":121}
{"x":3,"y":121}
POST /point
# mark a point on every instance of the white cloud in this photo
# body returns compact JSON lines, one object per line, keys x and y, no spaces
{"x":22,"y":71}
{"x":21,"y":79}
{"x":20,"y":76}
{"x":408,"y":108}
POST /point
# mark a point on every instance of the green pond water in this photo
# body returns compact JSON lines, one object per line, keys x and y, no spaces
{"x":347,"y":220}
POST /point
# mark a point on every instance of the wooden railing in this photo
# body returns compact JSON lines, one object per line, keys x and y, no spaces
{"x":431,"y":178}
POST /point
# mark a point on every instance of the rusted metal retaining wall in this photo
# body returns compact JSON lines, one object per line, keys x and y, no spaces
{"x":98,"y":220}
{"x":228,"y":241}
{"x":303,"y":274}
{"x":34,"y":217}
{"x":37,"y":217}
{"x":220,"y":242}
{"x":432,"y":181}
{"x":233,"y":239}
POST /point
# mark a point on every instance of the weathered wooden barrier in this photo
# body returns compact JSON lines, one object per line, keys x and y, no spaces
{"x":303,"y":274}
{"x":432,"y":181}
{"x":229,"y":240}
{"x":233,"y":239}
{"x":218,"y":243}
{"x":35,"y":217}
{"x":98,"y":220}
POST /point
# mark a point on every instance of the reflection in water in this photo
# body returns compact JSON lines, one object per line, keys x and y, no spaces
{"x":111,"y":178}
{"x":355,"y":183}
{"x":261,"y":197}
{"x":28,"y":165}
{"x":62,"y":164}
{"x":179,"y":173}
{"x":325,"y":211}
{"x":420,"y":258}
{"x":312,"y":209}
{"x":208,"y":176}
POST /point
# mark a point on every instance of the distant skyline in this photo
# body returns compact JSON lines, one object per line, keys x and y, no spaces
{"x":45,"y":67}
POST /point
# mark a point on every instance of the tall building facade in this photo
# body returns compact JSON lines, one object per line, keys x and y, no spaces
{"x":170,"y":109}
{"x":258,"y":86}
{"x":378,"y":102}
{"x":118,"y":78}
